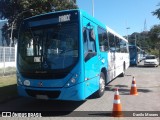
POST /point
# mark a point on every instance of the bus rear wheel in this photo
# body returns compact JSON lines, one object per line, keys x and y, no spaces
{"x":101,"y":89}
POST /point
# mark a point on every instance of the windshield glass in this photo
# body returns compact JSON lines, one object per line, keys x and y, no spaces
{"x":53,"y":47}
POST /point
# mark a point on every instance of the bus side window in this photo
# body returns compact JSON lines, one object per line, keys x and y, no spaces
{"x":127,"y":47}
{"x":123,"y":46}
{"x":103,"y":41}
{"x":117,"y":41}
{"x":112,"y":46}
{"x":89,"y":43}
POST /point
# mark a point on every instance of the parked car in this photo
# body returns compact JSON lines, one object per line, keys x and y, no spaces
{"x":151,"y":60}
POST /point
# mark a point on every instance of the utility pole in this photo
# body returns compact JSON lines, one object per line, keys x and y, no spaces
{"x":145,"y":26}
{"x":127,"y":31}
{"x":145,"y":29}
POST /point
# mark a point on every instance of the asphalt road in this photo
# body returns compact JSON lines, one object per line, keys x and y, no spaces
{"x":147,"y":100}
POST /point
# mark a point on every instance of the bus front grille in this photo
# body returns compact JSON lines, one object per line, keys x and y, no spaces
{"x":50,"y":94}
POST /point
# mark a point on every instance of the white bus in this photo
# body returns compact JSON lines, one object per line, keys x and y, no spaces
{"x":118,"y":54}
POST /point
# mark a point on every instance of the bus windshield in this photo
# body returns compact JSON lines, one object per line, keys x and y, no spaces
{"x":53,"y":47}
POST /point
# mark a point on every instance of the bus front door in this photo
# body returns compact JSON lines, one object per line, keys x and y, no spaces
{"x":91,"y":62}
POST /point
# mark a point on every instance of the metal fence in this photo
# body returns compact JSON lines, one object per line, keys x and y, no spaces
{"x":7,"y":60}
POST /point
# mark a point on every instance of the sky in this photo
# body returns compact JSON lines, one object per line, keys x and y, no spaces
{"x":122,"y":14}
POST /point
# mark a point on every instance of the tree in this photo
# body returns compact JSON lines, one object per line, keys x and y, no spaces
{"x":157,"y":12}
{"x":16,"y":10}
{"x":154,"y":35}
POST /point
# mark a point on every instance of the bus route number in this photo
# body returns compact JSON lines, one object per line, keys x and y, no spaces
{"x":64,"y":18}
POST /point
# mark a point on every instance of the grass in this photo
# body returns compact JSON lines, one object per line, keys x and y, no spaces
{"x":8,"y":80}
{"x":7,"y":71}
{"x":8,"y":88}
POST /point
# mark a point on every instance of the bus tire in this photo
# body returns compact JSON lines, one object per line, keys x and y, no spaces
{"x":101,"y":89}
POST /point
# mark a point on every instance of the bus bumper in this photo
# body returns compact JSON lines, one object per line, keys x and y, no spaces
{"x":75,"y":93}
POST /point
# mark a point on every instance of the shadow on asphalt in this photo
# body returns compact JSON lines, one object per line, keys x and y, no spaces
{"x":124,"y":89}
{"x":7,"y":93}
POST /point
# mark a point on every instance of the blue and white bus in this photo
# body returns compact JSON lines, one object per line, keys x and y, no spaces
{"x":68,"y":55}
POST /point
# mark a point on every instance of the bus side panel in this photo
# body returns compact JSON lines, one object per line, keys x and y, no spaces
{"x":116,"y":62}
{"x":119,"y":60}
{"x":111,"y":65}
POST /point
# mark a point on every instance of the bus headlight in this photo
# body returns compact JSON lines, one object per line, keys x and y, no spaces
{"x":26,"y":83}
{"x":72,"y":81}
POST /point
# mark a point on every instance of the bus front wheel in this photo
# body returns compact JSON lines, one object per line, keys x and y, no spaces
{"x":101,"y":89}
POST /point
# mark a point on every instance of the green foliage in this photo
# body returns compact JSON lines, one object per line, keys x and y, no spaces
{"x":157,"y":12}
{"x":16,"y":10}
{"x":154,"y":33}
{"x":154,"y":52}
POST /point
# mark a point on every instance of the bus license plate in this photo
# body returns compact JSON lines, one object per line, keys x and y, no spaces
{"x":44,"y":97}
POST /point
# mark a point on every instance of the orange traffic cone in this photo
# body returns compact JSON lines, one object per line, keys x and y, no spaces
{"x":133,"y":90}
{"x":117,"y":108}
